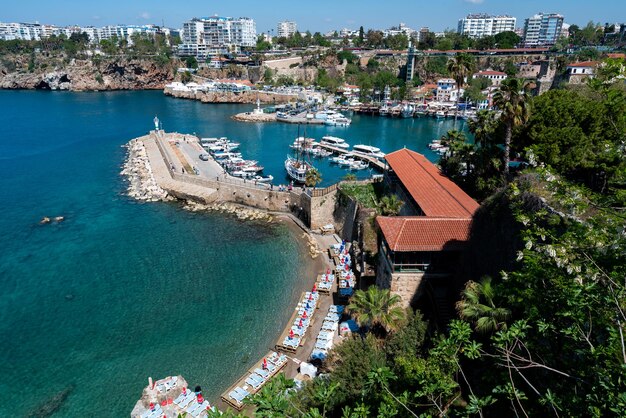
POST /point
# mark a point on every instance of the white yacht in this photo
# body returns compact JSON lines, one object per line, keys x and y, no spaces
{"x":337,"y":120}
{"x":368,"y":150}
{"x":335,"y":142}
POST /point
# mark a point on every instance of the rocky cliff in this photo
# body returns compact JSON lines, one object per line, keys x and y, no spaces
{"x":84,"y":75}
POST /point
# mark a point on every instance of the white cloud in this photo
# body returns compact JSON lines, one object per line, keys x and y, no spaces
{"x":145,"y":15}
{"x":474,"y":1}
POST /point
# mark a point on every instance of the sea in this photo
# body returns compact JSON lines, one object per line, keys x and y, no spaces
{"x":120,"y":291}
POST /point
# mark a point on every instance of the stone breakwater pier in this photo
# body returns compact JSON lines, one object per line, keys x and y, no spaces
{"x":166,"y":166}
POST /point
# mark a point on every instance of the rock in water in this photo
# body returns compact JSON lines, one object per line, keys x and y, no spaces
{"x":51,"y":405}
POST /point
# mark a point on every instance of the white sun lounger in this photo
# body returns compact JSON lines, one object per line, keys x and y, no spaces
{"x":254,"y":383}
{"x":188,"y":400}
{"x":263,"y":373}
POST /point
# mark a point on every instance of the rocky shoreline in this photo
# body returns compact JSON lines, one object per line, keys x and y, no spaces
{"x":141,"y":182}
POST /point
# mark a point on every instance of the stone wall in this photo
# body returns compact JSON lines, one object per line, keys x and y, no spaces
{"x":405,"y":285}
{"x":232,"y":97}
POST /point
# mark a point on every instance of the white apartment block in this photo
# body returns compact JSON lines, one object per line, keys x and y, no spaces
{"x":480,"y":25}
{"x":36,"y":31}
{"x":543,"y":29}
{"x":216,"y":35}
{"x":286,"y":28}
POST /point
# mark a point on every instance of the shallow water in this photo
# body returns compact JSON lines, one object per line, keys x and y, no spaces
{"x":119,"y":291}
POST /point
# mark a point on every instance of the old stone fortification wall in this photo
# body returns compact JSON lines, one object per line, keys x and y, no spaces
{"x":405,"y":285}
{"x":232,"y":97}
{"x":330,"y":208}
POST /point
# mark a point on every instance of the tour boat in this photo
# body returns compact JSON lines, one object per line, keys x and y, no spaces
{"x":440,"y":114}
{"x":368,"y":150}
{"x":297,"y":169}
{"x":335,"y":142}
{"x":337,"y":120}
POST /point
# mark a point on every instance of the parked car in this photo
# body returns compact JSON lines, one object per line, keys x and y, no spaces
{"x":204,"y":157}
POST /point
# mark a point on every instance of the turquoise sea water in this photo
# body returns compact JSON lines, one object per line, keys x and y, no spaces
{"x":120,"y":290}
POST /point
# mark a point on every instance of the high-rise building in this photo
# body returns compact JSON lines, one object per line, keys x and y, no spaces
{"x":479,"y":25}
{"x":216,"y":35}
{"x":286,"y":28}
{"x":543,"y":29}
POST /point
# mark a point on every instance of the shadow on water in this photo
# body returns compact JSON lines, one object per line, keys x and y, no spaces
{"x":49,"y":406}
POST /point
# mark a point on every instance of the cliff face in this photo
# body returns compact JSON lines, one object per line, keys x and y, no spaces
{"x":84,"y":75}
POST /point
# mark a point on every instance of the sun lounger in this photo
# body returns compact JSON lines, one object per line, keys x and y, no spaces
{"x":338,"y":309}
{"x":202,"y":407}
{"x":254,"y":383}
{"x":325,"y":335}
{"x":191,"y":409}
{"x":236,"y":396}
{"x":330,"y":326}
{"x":263,"y":373}
{"x":186,"y":399}
{"x":277,"y":359}
{"x":293,"y":342}
{"x":180,"y":398}
{"x":319,"y":354}
{"x":324,"y":345}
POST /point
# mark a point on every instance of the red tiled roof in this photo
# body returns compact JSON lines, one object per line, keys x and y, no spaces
{"x":434,"y":193}
{"x":617,"y":55}
{"x":490,"y":72}
{"x":584,"y":64}
{"x":420,"y":233}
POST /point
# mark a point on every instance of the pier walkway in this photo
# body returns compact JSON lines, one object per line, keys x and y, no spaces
{"x":372,"y":160}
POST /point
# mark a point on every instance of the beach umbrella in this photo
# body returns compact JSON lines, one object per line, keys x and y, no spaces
{"x":300,"y":323}
{"x":314,"y":287}
{"x":264,"y":363}
{"x":291,"y":333}
{"x":200,"y":398}
{"x":307,"y":305}
{"x":304,"y":315}
{"x":311,"y":296}
{"x":327,"y":271}
{"x":164,"y":402}
{"x":347,"y":267}
{"x":152,"y":406}
{"x":170,"y":401}
{"x":184,"y":390}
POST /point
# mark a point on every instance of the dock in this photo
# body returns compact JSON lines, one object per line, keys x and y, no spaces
{"x":233,"y":395}
{"x":375,"y":162}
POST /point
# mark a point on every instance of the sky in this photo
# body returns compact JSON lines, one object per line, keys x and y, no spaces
{"x":313,"y":15}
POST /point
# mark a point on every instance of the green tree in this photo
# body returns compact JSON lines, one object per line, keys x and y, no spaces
{"x":460,"y":68}
{"x":262,"y":44}
{"x":376,"y":309}
{"x":507,"y":40}
{"x":313,"y":177}
{"x":390,"y":205}
{"x":191,"y":62}
{"x":477,"y":306}
{"x":513,"y":100}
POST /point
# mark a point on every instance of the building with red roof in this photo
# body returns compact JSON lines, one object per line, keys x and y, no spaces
{"x":496,"y":77}
{"x":432,"y":231}
{"x":579,"y":72}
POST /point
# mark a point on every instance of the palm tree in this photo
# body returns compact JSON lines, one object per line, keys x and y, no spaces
{"x":513,"y":100}
{"x":376,"y":308}
{"x":313,"y":177}
{"x":460,"y":68}
{"x":390,"y":205}
{"x":486,"y":317}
